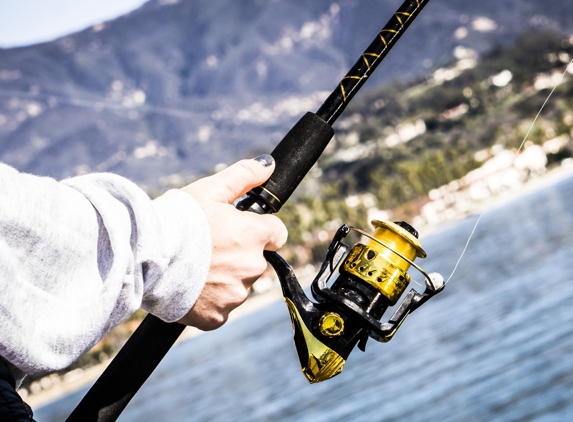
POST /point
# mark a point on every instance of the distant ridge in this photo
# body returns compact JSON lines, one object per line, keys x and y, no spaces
{"x":176,"y":87}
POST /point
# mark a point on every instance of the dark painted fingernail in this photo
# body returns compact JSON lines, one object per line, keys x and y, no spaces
{"x":265,"y":159}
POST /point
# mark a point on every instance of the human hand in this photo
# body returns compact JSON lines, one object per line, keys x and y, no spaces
{"x":238,"y":239}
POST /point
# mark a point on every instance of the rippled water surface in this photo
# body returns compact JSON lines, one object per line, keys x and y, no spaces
{"x":496,"y":345}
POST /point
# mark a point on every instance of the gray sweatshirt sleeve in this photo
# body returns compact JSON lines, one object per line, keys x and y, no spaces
{"x":79,"y":256}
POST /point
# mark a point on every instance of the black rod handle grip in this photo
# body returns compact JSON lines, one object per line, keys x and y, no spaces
{"x":294,"y":156}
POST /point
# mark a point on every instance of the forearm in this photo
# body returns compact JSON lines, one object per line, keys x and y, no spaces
{"x":78,"y":257}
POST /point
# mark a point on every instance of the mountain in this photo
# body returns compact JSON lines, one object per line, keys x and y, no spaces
{"x":176,"y":87}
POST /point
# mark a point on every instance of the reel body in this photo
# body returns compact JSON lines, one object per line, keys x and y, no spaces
{"x":372,"y":277}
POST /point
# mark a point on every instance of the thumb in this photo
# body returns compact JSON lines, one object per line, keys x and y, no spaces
{"x":239,"y":178}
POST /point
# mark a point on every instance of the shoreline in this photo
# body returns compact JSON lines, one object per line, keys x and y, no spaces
{"x":79,"y":379}
{"x":551,"y":177}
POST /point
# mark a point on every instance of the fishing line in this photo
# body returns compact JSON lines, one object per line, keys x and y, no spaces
{"x":495,"y":190}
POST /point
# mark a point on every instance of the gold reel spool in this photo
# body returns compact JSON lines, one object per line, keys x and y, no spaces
{"x":384,"y":261}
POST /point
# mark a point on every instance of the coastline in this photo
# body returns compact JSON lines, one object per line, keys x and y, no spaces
{"x":551,"y":177}
{"x":78,"y":379}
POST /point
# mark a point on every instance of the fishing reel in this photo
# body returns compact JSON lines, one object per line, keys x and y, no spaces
{"x":348,"y":310}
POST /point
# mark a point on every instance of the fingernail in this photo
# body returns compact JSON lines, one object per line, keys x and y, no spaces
{"x":265,"y":159}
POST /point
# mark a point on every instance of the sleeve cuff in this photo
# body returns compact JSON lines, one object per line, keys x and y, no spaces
{"x":172,"y":286}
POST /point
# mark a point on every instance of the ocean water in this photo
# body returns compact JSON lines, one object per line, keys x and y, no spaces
{"x":496,"y":345}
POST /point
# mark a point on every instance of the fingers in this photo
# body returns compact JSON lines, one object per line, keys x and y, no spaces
{"x":238,"y":240}
{"x":212,"y":308}
{"x":258,"y":231}
{"x":239,"y":178}
{"x":276,"y":233}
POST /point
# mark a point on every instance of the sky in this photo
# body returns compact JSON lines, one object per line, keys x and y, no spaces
{"x":25,"y":22}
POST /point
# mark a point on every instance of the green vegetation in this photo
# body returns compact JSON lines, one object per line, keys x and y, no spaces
{"x":478,"y":107}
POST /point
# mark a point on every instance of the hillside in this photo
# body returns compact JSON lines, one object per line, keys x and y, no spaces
{"x":167,"y":92}
{"x":400,"y":142}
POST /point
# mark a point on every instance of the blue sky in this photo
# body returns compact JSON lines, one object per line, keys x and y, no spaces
{"x":24,"y":22}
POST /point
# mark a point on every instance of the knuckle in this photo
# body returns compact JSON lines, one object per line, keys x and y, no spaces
{"x":232,"y":183}
{"x":241,"y":296}
{"x":282,"y":232}
{"x":276,"y":233}
{"x":256,"y":268}
{"x":260,"y":267}
{"x":214,"y":320}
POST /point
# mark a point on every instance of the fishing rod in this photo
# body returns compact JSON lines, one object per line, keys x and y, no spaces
{"x":372,"y":277}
